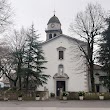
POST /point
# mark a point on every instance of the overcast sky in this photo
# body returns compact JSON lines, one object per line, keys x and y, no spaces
{"x":40,"y":11}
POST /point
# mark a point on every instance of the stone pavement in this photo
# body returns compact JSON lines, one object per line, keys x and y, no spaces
{"x":55,"y":105}
{"x":49,"y":108}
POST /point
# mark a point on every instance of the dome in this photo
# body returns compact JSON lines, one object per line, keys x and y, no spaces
{"x":54,"y":19}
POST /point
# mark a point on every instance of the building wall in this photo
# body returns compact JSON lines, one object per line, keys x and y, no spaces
{"x":97,"y":80}
{"x":73,"y":62}
{"x":53,"y":32}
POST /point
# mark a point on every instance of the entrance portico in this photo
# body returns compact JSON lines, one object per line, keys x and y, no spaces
{"x":60,"y":81}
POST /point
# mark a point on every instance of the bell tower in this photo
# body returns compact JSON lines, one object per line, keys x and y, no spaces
{"x":53,"y":28}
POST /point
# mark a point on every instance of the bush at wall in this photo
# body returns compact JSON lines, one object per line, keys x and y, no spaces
{"x":88,"y":96}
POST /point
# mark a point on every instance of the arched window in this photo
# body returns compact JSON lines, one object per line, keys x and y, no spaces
{"x":61,"y":69}
{"x":54,"y":35}
{"x":50,"y":36}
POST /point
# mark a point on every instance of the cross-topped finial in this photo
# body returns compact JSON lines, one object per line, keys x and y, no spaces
{"x":54,"y":12}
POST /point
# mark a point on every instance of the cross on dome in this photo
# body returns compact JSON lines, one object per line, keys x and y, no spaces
{"x":54,"y":12}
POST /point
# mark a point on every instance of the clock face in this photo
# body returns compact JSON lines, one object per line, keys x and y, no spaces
{"x":52,"y":25}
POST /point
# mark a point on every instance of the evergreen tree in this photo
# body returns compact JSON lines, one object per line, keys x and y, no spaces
{"x":104,"y":54}
{"x":34,"y":61}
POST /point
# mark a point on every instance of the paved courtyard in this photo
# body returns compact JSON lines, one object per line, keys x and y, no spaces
{"x":55,"y":105}
{"x":50,"y":108}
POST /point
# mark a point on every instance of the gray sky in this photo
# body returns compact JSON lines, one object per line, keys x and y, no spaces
{"x":40,"y":11}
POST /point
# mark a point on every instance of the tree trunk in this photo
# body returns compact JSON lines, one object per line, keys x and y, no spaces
{"x":92,"y":78}
{"x":20,"y":82}
{"x":19,"y":72}
{"x":27,"y":82}
{"x":14,"y":84}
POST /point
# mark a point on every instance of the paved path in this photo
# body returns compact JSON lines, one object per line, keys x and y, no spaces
{"x":64,"y":104}
{"x":55,"y":105}
{"x":50,"y":108}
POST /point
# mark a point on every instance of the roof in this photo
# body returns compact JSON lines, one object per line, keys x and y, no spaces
{"x":72,"y":38}
{"x":54,"y":19}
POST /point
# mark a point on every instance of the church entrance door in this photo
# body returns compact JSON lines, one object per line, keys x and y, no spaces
{"x":60,"y":84}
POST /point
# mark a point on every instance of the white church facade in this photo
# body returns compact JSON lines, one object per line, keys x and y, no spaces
{"x":66,"y":64}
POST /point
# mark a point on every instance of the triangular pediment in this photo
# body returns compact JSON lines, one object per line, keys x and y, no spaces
{"x":65,"y":36}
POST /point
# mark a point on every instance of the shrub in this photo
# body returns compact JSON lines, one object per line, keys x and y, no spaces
{"x":81,"y":93}
{"x":65,"y":93}
{"x":91,"y":96}
{"x":52,"y":94}
{"x":20,"y":95}
{"x":73,"y":96}
{"x":107,"y":96}
{"x":37,"y":95}
{"x":101,"y":94}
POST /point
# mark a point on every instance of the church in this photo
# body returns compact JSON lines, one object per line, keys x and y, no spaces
{"x":66,"y":63}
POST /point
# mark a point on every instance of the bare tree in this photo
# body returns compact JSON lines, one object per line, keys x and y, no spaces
{"x":88,"y":25}
{"x":11,"y":59}
{"x":6,"y":66}
{"x":16,"y":43}
{"x":5,"y":15}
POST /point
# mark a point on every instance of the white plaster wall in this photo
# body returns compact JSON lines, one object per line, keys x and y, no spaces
{"x":74,"y":64}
